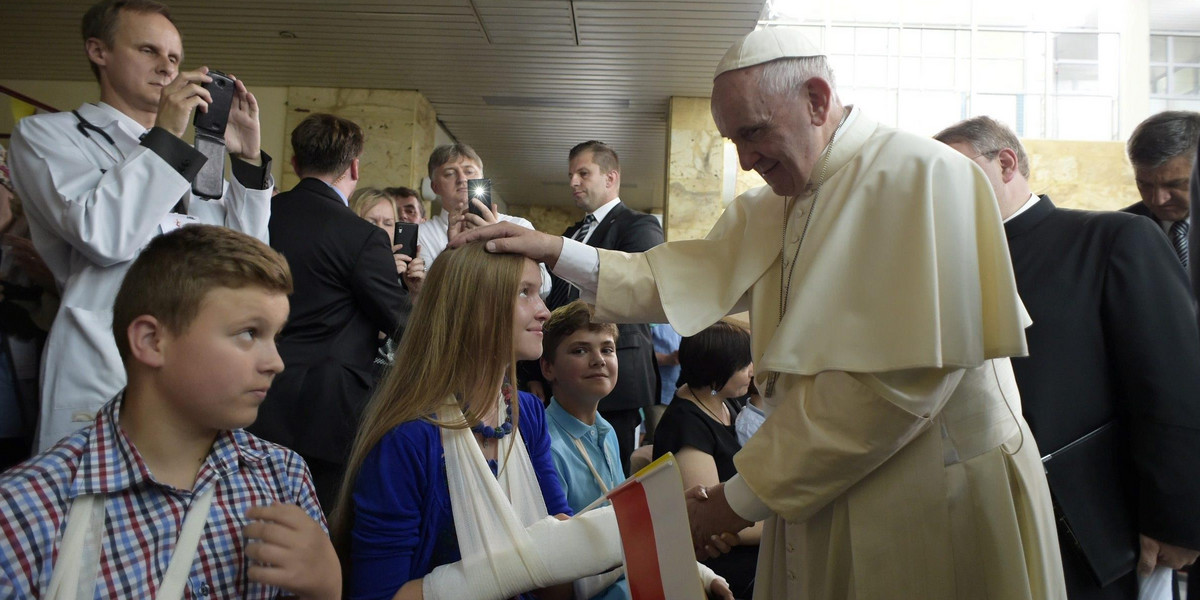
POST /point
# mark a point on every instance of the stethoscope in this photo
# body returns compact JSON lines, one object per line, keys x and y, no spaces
{"x":113,"y":151}
{"x":84,"y":125}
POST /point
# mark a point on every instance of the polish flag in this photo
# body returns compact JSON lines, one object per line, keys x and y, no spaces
{"x":655,"y":535}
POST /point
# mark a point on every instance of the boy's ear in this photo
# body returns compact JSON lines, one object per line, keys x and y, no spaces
{"x":146,"y":335}
{"x":547,"y":368}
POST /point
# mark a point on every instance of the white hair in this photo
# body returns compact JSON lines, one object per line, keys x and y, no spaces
{"x":787,"y":75}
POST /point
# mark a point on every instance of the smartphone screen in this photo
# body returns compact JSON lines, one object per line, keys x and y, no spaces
{"x":406,"y":233}
{"x":481,"y":189}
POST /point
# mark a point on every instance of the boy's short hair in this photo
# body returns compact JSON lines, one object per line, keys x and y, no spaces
{"x":171,"y":277}
{"x":565,"y":321}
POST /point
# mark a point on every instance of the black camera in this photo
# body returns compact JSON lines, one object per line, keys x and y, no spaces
{"x":210,"y":136}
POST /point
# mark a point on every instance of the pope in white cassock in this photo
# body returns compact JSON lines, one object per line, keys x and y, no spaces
{"x":895,"y":462}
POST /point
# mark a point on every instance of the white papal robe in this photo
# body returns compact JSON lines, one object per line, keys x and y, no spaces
{"x":895,"y":463}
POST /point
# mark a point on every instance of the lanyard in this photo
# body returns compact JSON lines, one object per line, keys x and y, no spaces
{"x":587,"y":459}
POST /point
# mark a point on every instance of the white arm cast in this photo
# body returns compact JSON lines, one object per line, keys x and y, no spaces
{"x":571,"y":549}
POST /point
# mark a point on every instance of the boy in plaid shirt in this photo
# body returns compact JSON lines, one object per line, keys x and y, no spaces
{"x":195,"y":321}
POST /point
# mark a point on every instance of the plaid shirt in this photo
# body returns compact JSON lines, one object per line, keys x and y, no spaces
{"x":143,"y":516}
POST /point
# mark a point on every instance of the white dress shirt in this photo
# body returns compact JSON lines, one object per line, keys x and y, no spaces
{"x":1033,"y":199}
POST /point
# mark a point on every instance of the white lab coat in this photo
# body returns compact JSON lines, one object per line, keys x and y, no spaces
{"x":93,"y":206}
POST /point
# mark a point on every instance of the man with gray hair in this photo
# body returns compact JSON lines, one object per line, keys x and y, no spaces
{"x":1111,"y":390}
{"x":894,"y":461}
{"x":451,"y":166}
{"x":1162,"y":150}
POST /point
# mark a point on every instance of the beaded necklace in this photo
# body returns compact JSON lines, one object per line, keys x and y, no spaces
{"x":497,"y":433}
{"x":505,"y":428}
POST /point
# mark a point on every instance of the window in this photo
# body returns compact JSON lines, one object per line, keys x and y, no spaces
{"x":1174,"y":72}
{"x":1048,"y":72}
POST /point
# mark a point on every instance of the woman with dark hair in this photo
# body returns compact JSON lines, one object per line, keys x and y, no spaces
{"x":698,"y":427}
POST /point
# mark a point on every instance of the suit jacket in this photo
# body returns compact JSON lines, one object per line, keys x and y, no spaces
{"x":1113,"y":338}
{"x":626,"y":230}
{"x":346,"y":292}
{"x":1194,"y":245}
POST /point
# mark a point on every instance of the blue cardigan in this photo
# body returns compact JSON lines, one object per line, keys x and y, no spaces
{"x":403,"y":524}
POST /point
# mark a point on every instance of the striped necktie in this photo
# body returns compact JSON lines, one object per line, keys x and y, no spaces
{"x":1179,"y":239}
{"x":588,"y":222}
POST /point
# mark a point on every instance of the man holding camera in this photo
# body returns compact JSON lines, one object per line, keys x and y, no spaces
{"x":450,"y":168}
{"x":99,"y":182}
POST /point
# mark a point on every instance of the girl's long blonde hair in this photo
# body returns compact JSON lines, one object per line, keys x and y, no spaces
{"x":458,"y":342}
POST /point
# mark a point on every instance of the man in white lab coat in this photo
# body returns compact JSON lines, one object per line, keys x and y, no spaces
{"x":99,"y":182}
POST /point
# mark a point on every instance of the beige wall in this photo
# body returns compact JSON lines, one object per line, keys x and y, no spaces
{"x":695,"y":163}
{"x":399,"y":126}
{"x":1086,"y":175}
{"x":550,"y":219}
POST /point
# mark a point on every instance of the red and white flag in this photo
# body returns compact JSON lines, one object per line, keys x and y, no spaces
{"x":655,"y":535}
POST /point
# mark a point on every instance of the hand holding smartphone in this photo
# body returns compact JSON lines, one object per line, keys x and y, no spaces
{"x":480,"y":189}
{"x":406,"y":233}
{"x":210,"y":136}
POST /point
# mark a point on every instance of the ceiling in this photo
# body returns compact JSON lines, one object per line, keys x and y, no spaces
{"x":522,"y":81}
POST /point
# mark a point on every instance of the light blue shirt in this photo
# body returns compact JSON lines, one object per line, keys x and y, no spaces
{"x":576,"y":478}
{"x":666,"y":341}
{"x":336,"y":191}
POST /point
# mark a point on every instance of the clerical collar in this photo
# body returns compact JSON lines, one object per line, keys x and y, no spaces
{"x":1033,"y":199}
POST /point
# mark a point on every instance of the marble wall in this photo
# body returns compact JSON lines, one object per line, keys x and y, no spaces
{"x":399,"y":127}
{"x":695,"y":167}
{"x":550,"y":219}
{"x":1086,"y":175}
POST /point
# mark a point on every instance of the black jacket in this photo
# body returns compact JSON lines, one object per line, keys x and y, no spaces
{"x":626,"y":230}
{"x":1113,"y":339}
{"x":346,"y":292}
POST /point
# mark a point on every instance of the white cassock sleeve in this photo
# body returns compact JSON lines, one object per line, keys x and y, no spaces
{"x":836,"y":428}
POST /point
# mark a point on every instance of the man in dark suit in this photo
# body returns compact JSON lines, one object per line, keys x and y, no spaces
{"x":595,"y":177}
{"x":1162,"y":150}
{"x":346,"y":293}
{"x":1111,"y":388}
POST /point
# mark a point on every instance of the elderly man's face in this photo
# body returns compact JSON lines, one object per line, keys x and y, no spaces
{"x":1164,"y":189}
{"x":774,"y":134}
{"x":449,"y":181}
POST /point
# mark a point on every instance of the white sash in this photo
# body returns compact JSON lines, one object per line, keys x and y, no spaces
{"x":490,"y":512}
{"x":74,"y":575}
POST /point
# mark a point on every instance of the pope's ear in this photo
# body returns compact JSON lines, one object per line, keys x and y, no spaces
{"x":146,"y":341}
{"x":819,"y":96}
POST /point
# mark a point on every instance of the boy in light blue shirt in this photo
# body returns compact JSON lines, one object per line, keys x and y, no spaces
{"x":579,"y":360}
